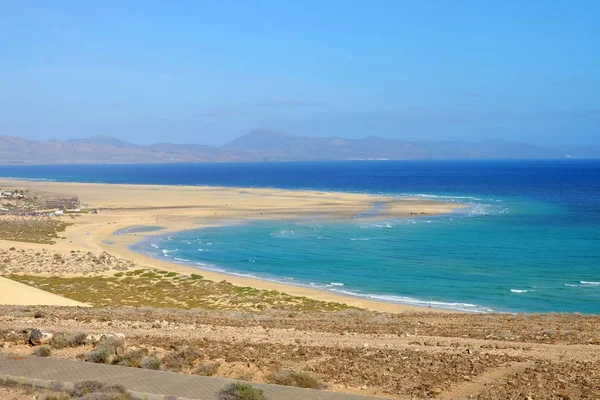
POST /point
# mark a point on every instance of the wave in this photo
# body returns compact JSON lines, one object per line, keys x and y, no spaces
{"x":359,"y":239}
{"x":519,"y":290}
{"x":181,"y":259}
{"x":20,"y":178}
{"x":166,"y":252}
{"x":464,"y":307}
{"x":336,"y":284}
{"x":153,"y":245}
{"x":446,"y":197}
{"x":589,"y":283}
{"x":387,"y":225}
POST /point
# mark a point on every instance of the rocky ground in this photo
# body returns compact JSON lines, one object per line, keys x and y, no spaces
{"x":405,"y":356}
{"x":16,"y":393}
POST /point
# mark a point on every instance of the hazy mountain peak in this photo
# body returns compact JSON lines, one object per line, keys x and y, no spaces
{"x":105,"y":140}
{"x":259,"y":139}
{"x":267,"y":145}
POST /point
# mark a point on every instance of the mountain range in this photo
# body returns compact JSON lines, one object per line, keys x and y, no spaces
{"x":262,"y":145}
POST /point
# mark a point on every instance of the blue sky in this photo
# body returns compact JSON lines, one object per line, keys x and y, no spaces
{"x":209,"y":71}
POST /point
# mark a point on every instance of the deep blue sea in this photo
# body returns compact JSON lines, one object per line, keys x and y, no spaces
{"x":529,"y":240}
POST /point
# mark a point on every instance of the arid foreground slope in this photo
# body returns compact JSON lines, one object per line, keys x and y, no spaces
{"x":412,"y":355}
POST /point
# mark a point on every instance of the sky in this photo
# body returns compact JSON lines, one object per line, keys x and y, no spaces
{"x":210,"y":71}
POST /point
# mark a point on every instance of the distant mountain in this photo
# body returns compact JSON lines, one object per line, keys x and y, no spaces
{"x":261,"y":145}
{"x":95,"y":150}
{"x":282,"y":146}
{"x":104,"y":141}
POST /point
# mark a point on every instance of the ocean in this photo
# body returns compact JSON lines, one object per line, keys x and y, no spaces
{"x":528,"y":240}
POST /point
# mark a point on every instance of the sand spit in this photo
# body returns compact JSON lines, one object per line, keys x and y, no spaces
{"x":175,"y":208}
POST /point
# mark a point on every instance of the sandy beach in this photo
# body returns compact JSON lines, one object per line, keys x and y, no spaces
{"x":175,"y":208}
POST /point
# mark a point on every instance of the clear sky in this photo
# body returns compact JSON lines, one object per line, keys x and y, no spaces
{"x":209,"y":71}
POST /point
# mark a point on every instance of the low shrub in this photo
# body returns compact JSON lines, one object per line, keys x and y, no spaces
{"x":94,"y":390}
{"x":82,"y":388}
{"x":183,"y":358}
{"x":207,"y":369}
{"x":77,"y":339}
{"x":298,"y":379}
{"x":241,"y":391}
{"x":150,"y":362}
{"x":59,"y":341}
{"x":111,"y":342}
{"x":42,"y":351}
{"x":100,"y":355}
{"x":131,"y":358}
{"x":63,"y":340}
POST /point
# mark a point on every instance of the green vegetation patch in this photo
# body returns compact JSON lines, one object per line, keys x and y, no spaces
{"x":33,"y":230}
{"x":149,"y":288}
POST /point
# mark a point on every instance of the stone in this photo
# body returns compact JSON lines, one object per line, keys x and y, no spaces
{"x":93,"y":338}
{"x":37,"y":337}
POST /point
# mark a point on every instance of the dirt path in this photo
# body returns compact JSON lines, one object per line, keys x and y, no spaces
{"x":472,"y":388}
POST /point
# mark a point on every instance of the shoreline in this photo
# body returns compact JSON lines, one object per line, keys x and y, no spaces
{"x":123,"y":248}
{"x":247,"y":279}
{"x":177,"y":208}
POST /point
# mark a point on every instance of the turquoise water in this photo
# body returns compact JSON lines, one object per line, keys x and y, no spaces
{"x":528,"y":241}
{"x":496,"y":255}
{"x":138,"y":229}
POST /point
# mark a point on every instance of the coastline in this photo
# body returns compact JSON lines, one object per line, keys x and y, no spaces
{"x":177,"y":208}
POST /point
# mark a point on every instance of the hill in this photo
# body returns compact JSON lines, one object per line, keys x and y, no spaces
{"x":262,"y":145}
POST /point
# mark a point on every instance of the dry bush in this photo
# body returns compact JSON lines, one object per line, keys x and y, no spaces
{"x":182,"y":358}
{"x":62,"y":340}
{"x":59,"y":341}
{"x":100,"y":355}
{"x":94,"y":390}
{"x":207,"y":369}
{"x":111,"y":342}
{"x":42,"y":351}
{"x":131,"y":358}
{"x":150,"y":362}
{"x":77,"y":339}
{"x":241,"y":391}
{"x":297,"y":379}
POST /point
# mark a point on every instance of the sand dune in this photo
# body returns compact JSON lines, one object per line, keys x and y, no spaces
{"x":14,"y":293}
